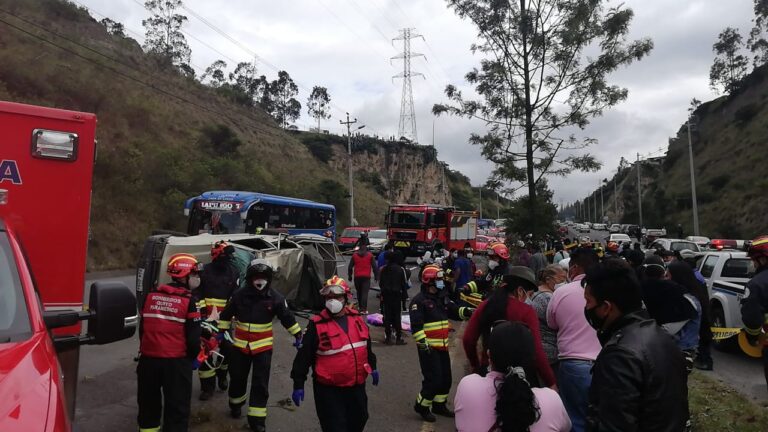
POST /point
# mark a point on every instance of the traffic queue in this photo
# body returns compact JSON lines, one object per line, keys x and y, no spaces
{"x":589,"y":340}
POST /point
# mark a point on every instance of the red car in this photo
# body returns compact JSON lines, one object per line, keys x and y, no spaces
{"x":350,"y":235}
{"x":482,"y":243}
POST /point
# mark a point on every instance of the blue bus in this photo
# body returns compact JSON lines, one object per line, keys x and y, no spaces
{"x":231,"y":212}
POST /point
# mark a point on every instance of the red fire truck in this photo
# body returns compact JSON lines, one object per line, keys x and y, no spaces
{"x":416,"y":228}
{"x":46,"y":168}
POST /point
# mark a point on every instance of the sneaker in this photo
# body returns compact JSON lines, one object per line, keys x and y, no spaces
{"x":205,"y":395}
{"x":703,"y":364}
{"x":223,"y":383}
{"x":424,"y":412}
{"x":441,"y":409}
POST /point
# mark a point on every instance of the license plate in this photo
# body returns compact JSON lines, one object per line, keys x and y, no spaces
{"x":402,"y":244}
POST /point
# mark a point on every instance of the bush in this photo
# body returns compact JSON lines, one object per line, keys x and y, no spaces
{"x":718,"y":182}
{"x":745,"y":113}
{"x":320,"y":149}
{"x":220,"y":140}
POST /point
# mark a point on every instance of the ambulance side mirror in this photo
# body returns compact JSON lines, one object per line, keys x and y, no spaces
{"x":113,"y":313}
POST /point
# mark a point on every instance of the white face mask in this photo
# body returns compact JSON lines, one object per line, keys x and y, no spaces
{"x":455,"y":255}
{"x":470,"y":255}
{"x":493,"y":264}
{"x":194,"y":282}
{"x":260,"y":284}
{"x":334,"y":306}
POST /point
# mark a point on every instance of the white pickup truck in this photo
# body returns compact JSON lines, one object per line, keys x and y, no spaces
{"x":727,"y":273}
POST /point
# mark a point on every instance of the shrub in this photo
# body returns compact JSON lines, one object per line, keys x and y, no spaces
{"x":745,"y":113}
{"x":320,"y":149}
{"x":718,"y":182}
{"x":220,"y":140}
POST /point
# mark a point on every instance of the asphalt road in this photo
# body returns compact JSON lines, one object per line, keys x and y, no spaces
{"x":739,"y":371}
{"x":106,"y":394}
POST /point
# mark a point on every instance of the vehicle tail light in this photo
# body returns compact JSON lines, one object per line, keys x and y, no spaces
{"x":3,"y":196}
{"x":48,"y":144}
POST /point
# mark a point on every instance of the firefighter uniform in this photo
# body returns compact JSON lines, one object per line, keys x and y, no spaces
{"x":169,"y":341}
{"x":472,"y":293}
{"x":494,"y":278}
{"x":219,"y":280}
{"x":249,"y":314}
{"x":339,"y":351}
{"x":429,"y":324}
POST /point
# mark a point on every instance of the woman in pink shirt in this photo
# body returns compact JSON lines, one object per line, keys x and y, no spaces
{"x":508,"y":398}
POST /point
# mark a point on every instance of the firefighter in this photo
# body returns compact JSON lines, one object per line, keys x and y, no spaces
{"x":337,"y":345}
{"x":498,"y":262}
{"x":218,"y":281}
{"x":754,"y":308}
{"x":250,"y":312}
{"x":472,"y":293}
{"x":169,"y":341}
{"x":430,"y":311}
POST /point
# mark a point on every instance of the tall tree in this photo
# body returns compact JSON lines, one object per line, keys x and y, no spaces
{"x":730,"y":66}
{"x":245,"y":78}
{"x":286,"y":108}
{"x":319,"y":104}
{"x":537,"y":86}
{"x":113,"y":27}
{"x":757,"y":42}
{"x":163,"y":33}
{"x":215,"y":73}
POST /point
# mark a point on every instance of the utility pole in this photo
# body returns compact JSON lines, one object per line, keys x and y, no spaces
{"x":693,"y":181}
{"x":498,"y":206}
{"x":481,"y":202}
{"x":349,"y":167}
{"x":595,"y":202}
{"x":616,"y":196}
{"x":407,"y":125}
{"x":639,"y":193}
{"x":602,"y":206}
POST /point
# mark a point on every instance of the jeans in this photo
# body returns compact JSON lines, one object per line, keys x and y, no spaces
{"x":573,"y":380}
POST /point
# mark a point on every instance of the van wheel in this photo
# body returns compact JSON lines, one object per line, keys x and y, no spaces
{"x":718,"y":320}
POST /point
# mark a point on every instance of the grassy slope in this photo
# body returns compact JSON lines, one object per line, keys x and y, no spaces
{"x":718,"y":408}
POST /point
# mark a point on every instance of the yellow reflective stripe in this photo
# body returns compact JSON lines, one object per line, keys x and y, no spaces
{"x":472,"y":287}
{"x":254,"y":328}
{"x":462,"y":312}
{"x":419,"y":335}
{"x":257,"y":411}
{"x":441,"y":398}
{"x":224,"y":325}
{"x":216,"y":302}
{"x":206,"y":373}
{"x":294,"y":329}
{"x":200,"y":304}
{"x":260,"y":343}
{"x":422,"y":401}
{"x":154,"y":429}
{"x":240,"y":343}
{"x":438,"y":342}
{"x":754,"y":332}
{"x":437,"y":325}
{"x":224,"y":366}
{"x":238,"y":400}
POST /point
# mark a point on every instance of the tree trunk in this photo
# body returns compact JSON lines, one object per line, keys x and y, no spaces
{"x":528,"y":121}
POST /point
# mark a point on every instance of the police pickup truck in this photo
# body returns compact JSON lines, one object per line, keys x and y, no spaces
{"x":727,"y":273}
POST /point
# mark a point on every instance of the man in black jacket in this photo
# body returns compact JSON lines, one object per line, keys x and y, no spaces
{"x":393,"y":282}
{"x":639,"y":381}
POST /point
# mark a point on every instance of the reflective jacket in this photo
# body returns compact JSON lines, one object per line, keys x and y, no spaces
{"x":218,"y":281}
{"x":429,"y":318}
{"x":250,"y":313}
{"x":342,"y":357}
{"x":754,"y":307}
{"x":170,"y":324}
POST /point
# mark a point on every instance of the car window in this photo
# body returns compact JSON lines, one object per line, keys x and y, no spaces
{"x":709,"y":266}
{"x":738,"y":268}
{"x":377,"y":234}
{"x":678,"y":246}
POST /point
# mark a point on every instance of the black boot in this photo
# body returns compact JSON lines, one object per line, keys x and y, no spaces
{"x":223,"y":382}
{"x":703,"y":364}
{"x":424,"y":412}
{"x":235,"y":412}
{"x":388,"y":338}
{"x":441,"y":409}
{"x":257,"y":424}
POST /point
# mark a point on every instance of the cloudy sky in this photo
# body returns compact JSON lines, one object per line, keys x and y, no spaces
{"x":345,"y":45}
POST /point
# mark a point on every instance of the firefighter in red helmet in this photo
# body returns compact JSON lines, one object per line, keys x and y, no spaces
{"x":250,"y":313}
{"x":218,"y":281}
{"x":169,"y":341}
{"x":337,"y":345}
{"x":430,"y":311}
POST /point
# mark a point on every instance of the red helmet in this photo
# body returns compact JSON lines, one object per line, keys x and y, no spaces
{"x":758,"y":247}
{"x":431,"y":273}
{"x":181,"y":265}
{"x":478,"y":273}
{"x":499,"y":249}
{"x":335,"y":286}
{"x":612,"y":246}
{"x":221,"y":247}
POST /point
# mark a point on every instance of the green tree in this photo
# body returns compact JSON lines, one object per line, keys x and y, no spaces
{"x":113,"y":27}
{"x":283,"y":90}
{"x":520,"y":218}
{"x":536,"y":80}
{"x":163,"y":33}
{"x":757,"y":42}
{"x":729,"y":67}
{"x":215,"y":74}
{"x":319,"y":104}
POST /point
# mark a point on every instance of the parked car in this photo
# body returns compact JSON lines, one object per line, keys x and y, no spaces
{"x":350,"y":235}
{"x":702,"y":241}
{"x":377,"y":240}
{"x":618,"y":238}
{"x":583,"y":228}
{"x":727,"y":273}
{"x":599,"y":227}
{"x":615,"y":228}
{"x":674,"y":245}
{"x":725,"y":244}
{"x":482,"y":242}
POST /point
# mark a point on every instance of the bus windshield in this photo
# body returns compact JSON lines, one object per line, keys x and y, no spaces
{"x":215,"y":222}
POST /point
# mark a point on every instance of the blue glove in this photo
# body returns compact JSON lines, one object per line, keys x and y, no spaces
{"x":375,"y":376}
{"x":297,"y":396}
{"x":195,"y":364}
{"x":297,"y":342}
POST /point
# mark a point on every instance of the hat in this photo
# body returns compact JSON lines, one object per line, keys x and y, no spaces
{"x":521,"y":274}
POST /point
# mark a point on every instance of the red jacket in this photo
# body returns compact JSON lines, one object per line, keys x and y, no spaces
{"x":516,"y":311}
{"x":363,"y":265}
{"x":170,"y":326}
{"x":342,"y":358}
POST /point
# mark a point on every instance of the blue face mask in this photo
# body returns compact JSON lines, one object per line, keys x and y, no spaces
{"x":439,"y":284}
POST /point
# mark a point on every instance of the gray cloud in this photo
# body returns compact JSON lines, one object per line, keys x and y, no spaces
{"x":334,"y":43}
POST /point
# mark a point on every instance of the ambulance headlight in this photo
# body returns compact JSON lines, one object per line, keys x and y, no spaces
{"x":48,"y":144}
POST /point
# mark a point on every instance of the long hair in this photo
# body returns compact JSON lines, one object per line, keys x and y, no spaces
{"x":511,"y":349}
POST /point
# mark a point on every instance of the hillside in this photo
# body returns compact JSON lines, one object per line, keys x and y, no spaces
{"x":163,"y":137}
{"x":730,"y":150}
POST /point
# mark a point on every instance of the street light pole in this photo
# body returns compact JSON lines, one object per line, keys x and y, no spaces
{"x":602,"y":204}
{"x":349,"y":123}
{"x":639,"y":193}
{"x":693,"y":182}
{"x":481,"y":201}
